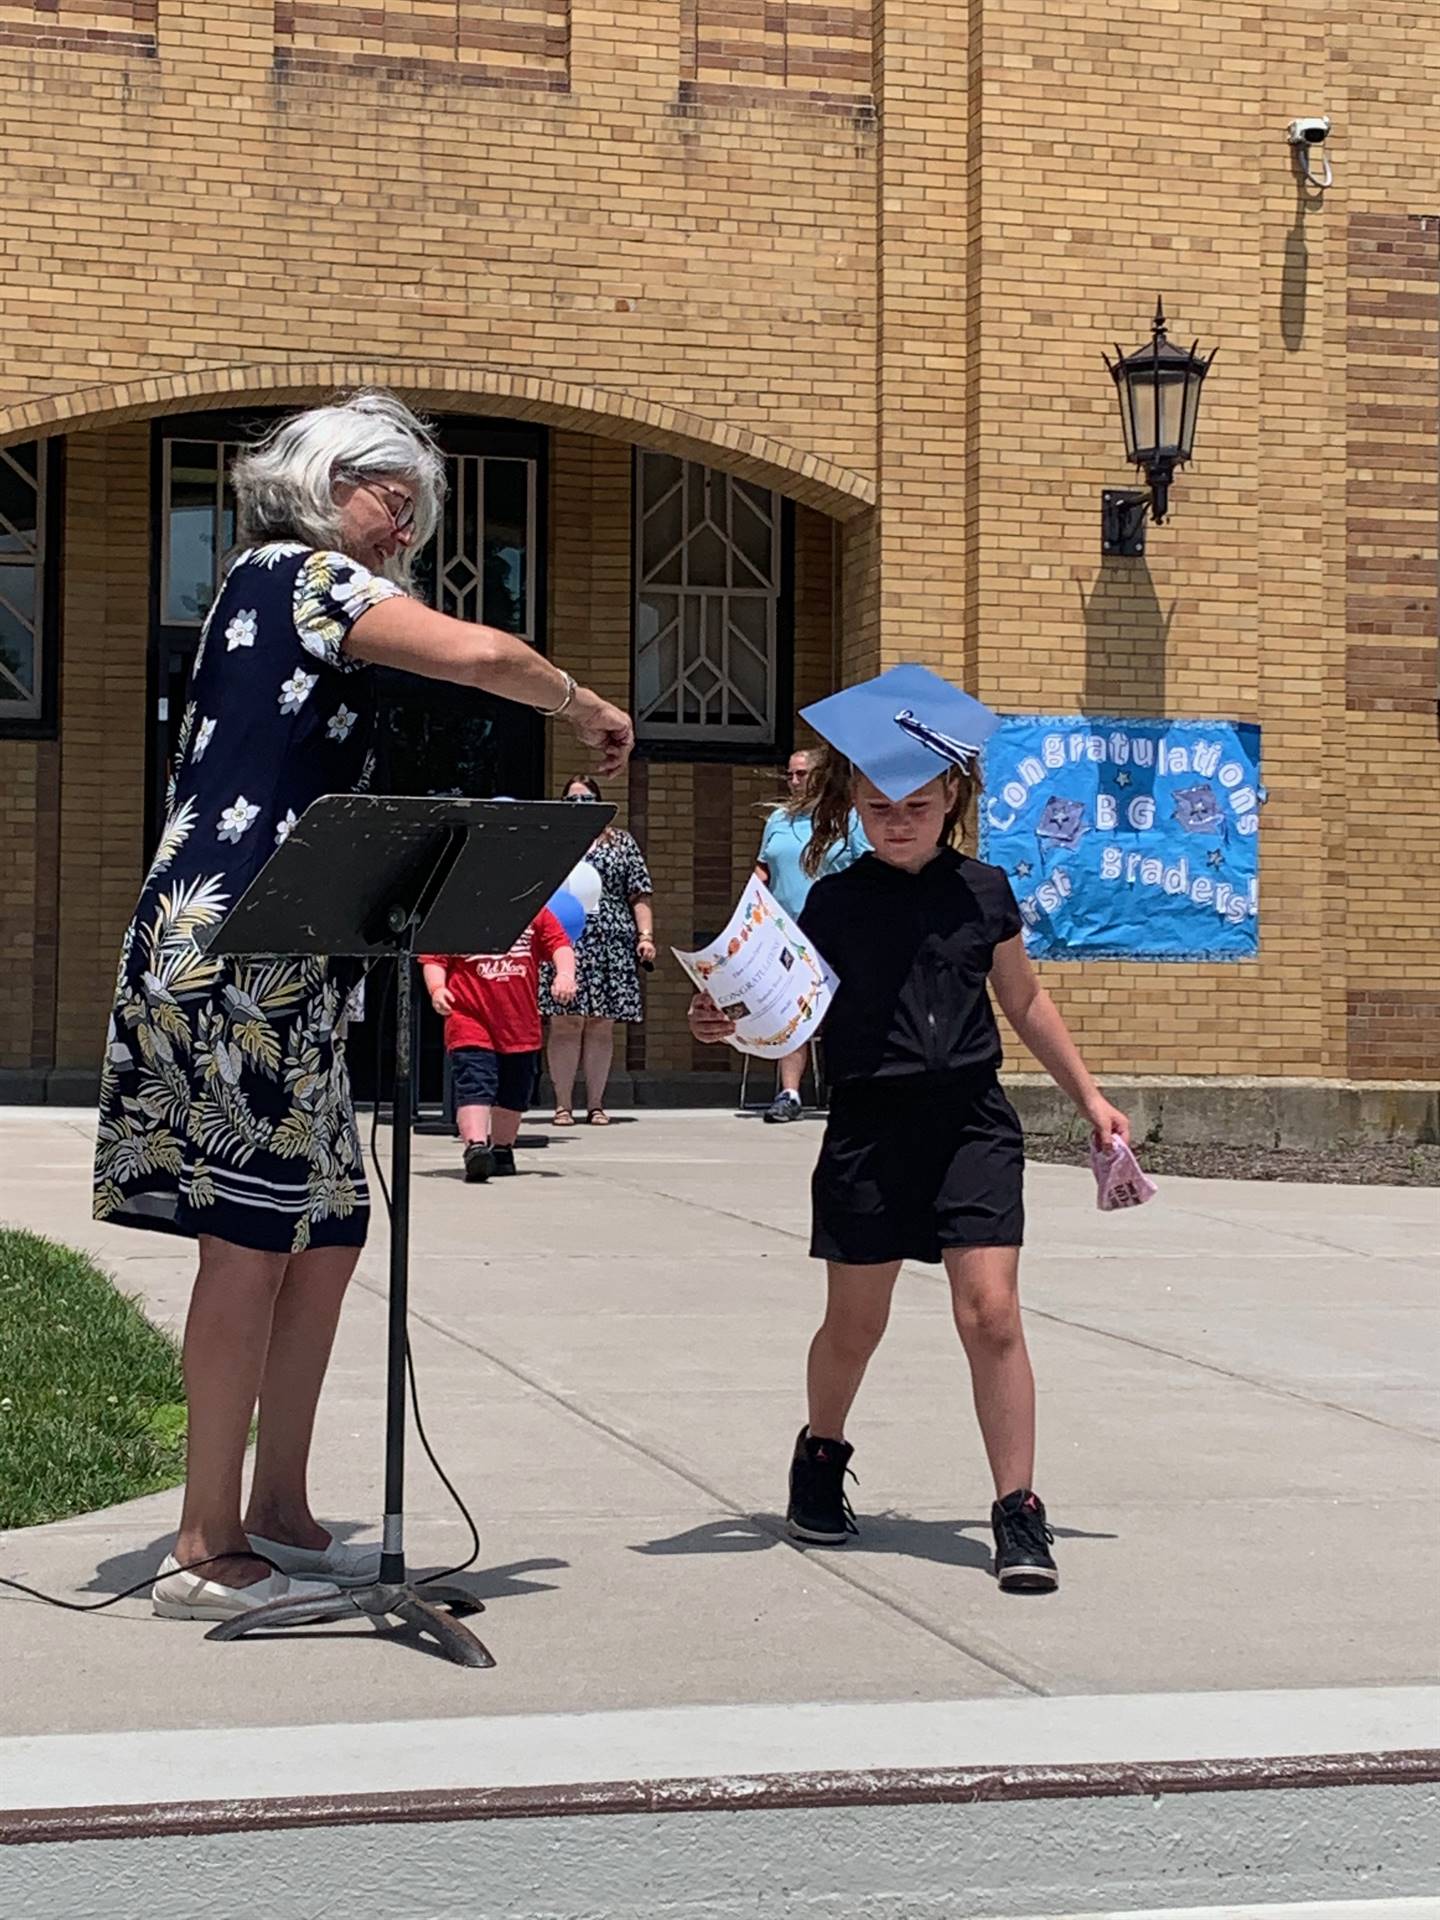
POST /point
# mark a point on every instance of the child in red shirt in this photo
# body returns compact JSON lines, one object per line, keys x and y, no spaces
{"x":490,"y":1003}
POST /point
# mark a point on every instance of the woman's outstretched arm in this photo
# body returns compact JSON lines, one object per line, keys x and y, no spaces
{"x":401,"y":632}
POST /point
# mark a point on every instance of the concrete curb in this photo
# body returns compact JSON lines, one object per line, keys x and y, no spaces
{"x":893,"y":1787}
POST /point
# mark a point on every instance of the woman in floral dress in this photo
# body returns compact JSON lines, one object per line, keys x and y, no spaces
{"x":225,"y":1109}
{"x":619,"y":939}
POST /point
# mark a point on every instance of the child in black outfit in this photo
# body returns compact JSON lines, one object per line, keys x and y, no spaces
{"x":923,"y":1156}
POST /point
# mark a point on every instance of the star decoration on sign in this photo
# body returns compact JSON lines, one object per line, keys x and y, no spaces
{"x":1022,"y":870}
{"x":1215,"y":859}
{"x":1122,"y":779}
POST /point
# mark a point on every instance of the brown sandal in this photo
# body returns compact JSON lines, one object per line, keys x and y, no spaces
{"x":597,"y":1117}
{"x":563,"y":1117}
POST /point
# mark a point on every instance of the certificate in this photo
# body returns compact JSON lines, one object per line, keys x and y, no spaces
{"x":764,"y":975}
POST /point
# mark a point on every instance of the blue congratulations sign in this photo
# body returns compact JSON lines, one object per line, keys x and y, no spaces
{"x":1127,"y":839}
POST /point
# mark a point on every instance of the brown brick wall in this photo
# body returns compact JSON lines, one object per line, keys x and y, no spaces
{"x":816,"y":53}
{"x":72,"y":810}
{"x":102,"y":724}
{"x":1393,"y":1033}
{"x":474,"y":40}
{"x":1390,"y":679}
{"x":23,"y":919}
{"x":113,"y":27}
{"x":1392,"y":664}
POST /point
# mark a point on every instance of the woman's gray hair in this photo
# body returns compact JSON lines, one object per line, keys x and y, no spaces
{"x":285,"y":486}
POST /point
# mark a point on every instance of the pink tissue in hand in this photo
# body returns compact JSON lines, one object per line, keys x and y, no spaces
{"x":1119,"y":1179}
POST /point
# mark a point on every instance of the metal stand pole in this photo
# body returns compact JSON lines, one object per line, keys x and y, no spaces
{"x":392,"y":1557}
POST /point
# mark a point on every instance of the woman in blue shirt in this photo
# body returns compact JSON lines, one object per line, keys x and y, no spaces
{"x":786,"y":836}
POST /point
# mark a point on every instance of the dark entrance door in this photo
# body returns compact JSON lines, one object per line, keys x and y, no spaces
{"x":486,"y":563}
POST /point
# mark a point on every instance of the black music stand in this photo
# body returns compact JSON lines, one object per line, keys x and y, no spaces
{"x":376,"y":876}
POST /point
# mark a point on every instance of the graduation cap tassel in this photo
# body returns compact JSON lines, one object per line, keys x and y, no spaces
{"x":957,"y":752}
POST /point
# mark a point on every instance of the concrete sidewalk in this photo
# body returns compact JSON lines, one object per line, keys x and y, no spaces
{"x":1240,"y":1436}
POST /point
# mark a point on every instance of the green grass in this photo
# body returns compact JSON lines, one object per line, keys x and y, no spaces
{"x":92,"y":1407}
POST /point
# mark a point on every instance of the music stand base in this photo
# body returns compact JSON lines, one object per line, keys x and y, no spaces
{"x":423,"y":1608}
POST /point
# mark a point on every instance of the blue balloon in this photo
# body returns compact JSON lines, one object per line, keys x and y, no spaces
{"x":569,"y":912}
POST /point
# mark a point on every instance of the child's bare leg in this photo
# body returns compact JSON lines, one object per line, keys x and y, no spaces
{"x":792,"y":1070}
{"x":985,"y":1296}
{"x":505,"y":1126}
{"x":474,"y":1124}
{"x":857,"y":1307}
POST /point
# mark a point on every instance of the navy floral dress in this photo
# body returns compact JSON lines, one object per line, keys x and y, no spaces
{"x":606,"y":969}
{"x":224,"y":1100}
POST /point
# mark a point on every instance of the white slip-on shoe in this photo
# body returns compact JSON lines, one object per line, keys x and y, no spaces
{"x":342,"y":1566}
{"x":186,"y":1596}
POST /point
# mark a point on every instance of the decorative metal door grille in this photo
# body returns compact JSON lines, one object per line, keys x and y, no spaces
{"x":22,"y":581}
{"x":482,"y":563}
{"x":485,"y":547}
{"x":197,"y":528}
{"x":707,"y":569}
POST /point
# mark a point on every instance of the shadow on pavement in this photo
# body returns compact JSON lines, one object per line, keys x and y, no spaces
{"x":505,"y":1582}
{"x":950,"y":1543}
{"x":458,"y":1173}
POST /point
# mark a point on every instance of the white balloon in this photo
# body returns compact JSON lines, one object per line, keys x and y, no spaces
{"x":586,"y":885}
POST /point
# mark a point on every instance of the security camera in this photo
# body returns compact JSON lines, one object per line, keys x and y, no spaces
{"x":1308,"y":135}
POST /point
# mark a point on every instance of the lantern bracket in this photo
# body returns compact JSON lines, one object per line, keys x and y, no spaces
{"x":1123,"y":513}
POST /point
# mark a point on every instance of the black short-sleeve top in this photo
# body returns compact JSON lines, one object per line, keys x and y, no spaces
{"x":913,"y":953}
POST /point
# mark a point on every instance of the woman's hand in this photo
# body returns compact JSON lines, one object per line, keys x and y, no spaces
{"x":564,"y":987}
{"x":443,"y":1001}
{"x":708,"y":1024}
{"x":604,"y":729}
{"x":1107,"y":1123}
{"x":645,"y":950}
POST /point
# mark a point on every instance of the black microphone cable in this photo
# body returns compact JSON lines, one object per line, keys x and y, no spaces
{"x":403,"y":960}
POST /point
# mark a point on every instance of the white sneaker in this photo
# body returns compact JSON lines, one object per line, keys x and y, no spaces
{"x":342,"y":1566}
{"x":185,"y":1596}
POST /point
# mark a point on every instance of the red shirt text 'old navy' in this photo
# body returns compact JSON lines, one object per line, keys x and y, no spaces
{"x":497,"y":995}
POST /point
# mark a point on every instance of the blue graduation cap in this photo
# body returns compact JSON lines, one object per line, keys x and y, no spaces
{"x":903,"y":729}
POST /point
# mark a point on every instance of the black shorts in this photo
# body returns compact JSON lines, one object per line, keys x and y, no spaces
{"x":908,"y":1170}
{"x":480,"y":1078}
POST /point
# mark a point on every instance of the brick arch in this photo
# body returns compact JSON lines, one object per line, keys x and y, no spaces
{"x":838,"y":491}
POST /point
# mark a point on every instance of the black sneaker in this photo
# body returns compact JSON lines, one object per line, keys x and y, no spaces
{"x":785,"y":1106}
{"x":479,"y":1162}
{"x":504,"y":1159}
{"x":1023,"y":1560}
{"x":818,"y":1508}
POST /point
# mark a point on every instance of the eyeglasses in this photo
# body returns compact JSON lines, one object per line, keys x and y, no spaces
{"x":402,"y":516}
{"x":580,"y":796}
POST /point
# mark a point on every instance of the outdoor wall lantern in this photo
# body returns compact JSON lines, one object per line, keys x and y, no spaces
{"x":1158,"y":387}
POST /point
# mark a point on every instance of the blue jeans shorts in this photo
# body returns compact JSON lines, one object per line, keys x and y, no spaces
{"x":480,"y":1078}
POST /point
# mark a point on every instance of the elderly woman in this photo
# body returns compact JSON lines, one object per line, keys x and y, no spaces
{"x":225,"y":1110}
